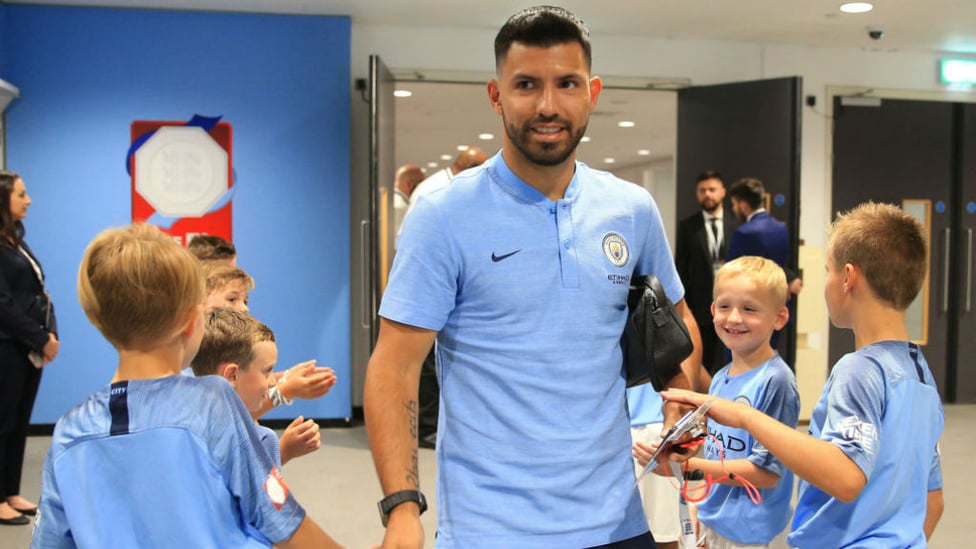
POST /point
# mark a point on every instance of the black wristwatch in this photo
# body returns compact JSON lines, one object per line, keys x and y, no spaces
{"x":396,"y":498}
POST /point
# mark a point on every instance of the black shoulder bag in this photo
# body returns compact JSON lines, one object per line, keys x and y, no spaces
{"x":655,"y":339}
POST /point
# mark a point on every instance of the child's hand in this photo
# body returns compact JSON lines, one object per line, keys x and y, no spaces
{"x":300,"y":438}
{"x":643,"y":452}
{"x":723,"y":411}
{"x":307,"y":381}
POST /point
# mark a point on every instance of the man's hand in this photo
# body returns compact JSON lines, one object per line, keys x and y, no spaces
{"x":307,"y":381}
{"x":796,"y":286}
{"x":404,"y":530}
{"x":300,"y":438}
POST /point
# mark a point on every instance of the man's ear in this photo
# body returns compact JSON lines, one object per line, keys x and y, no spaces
{"x":596,"y":86}
{"x":494,"y":96}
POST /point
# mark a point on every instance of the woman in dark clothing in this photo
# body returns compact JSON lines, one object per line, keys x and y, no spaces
{"x":28,"y":341}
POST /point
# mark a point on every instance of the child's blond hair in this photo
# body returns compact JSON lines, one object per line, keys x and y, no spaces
{"x":137,"y":285}
{"x":887,"y":245}
{"x":219,"y":273}
{"x":769,"y":276}
{"x":229,"y":336}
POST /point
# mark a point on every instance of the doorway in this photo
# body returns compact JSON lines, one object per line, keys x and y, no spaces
{"x":918,"y":154}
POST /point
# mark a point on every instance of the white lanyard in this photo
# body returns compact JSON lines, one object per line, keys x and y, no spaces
{"x":688,"y":538}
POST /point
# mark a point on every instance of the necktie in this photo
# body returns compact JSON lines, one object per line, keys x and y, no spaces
{"x":715,"y":248}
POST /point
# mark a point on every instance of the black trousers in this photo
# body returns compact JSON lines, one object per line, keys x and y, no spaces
{"x":429,"y":396}
{"x":643,"y":541}
{"x":19,"y":380}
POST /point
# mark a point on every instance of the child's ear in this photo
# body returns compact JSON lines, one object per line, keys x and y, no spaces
{"x":229,"y":371}
{"x":193,"y":315}
{"x":713,"y":309}
{"x":782,"y":317}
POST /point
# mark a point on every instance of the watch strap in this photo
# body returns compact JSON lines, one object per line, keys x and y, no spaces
{"x":387,"y":504}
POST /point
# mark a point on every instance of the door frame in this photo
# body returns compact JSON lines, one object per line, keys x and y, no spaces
{"x":946,"y":96}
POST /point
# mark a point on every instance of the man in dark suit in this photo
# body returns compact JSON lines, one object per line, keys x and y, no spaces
{"x":700,"y":249}
{"x":760,"y":233}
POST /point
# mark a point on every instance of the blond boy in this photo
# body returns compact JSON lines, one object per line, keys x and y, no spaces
{"x":870,"y":469}
{"x":158,"y":459}
{"x":242,"y":350}
{"x":749,"y":303}
{"x":227,"y":286}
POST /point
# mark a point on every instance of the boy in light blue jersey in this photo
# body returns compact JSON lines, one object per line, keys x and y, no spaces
{"x":242,"y":350}
{"x":870,"y":469}
{"x":158,"y":459}
{"x":749,"y":304}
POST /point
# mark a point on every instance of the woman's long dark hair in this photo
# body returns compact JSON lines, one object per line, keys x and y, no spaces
{"x":11,"y":232}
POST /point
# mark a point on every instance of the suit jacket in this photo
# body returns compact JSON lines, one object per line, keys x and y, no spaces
{"x":694,"y":262}
{"x":765,"y":236}
{"x":22,"y":301}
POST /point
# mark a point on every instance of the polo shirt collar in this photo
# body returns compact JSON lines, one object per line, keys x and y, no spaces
{"x":514,"y":185}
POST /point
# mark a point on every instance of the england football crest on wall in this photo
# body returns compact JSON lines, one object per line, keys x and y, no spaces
{"x":182,"y":176}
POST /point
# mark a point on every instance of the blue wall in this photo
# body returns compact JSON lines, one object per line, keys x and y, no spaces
{"x":3,"y":40}
{"x":282,"y":82}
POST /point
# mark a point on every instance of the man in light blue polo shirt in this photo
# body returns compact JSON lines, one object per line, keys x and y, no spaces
{"x":521,"y":270}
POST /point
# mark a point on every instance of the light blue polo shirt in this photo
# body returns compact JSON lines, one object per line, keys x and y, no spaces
{"x":880,"y":406}
{"x":771,"y":389}
{"x":529,"y":297}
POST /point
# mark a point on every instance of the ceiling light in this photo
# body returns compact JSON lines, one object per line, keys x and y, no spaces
{"x":643,"y":152}
{"x":586,"y":139}
{"x":609,"y":160}
{"x":432,"y":164}
{"x":856,"y":7}
{"x":486,"y":136}
{"x":446,"y":157}
{"x":626,"y":124}
{"x":402,"y":93}
{"x":462,"y":147}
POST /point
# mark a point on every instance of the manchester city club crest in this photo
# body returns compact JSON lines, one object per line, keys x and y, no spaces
{"x":615,"y":248}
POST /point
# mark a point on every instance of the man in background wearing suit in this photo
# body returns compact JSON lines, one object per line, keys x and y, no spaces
{"x":700,"y":249}
{"x":761,"y":234}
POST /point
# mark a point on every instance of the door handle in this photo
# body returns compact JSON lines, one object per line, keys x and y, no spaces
{"x":969,"y":270}
{"x":945,"y":271}
{"x":364,"y":261}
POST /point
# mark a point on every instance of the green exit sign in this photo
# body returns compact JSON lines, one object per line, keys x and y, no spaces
{"x":958,"y":71}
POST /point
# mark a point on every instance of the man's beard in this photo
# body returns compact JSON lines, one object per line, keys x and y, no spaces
{"x":711,"y":210}
{"x":543,"y":154}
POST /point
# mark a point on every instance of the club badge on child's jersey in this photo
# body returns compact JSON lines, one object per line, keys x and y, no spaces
{"x":276,"y":488}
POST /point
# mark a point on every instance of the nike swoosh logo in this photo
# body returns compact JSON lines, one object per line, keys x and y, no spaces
{"x":497,"y":258}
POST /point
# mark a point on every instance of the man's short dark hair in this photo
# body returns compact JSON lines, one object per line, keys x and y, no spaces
{"x":749,"y":190}
{"x":542,"y":27}
{"x":708,"y":174}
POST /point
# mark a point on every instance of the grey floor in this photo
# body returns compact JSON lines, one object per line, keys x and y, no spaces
{"x":338,"y":486}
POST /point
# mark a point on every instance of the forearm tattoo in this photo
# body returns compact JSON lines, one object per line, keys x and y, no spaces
{"x":413,"y":474}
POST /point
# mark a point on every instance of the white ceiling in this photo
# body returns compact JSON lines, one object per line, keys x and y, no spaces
{"x":438,"y":117}
{"x":916,"y":25}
